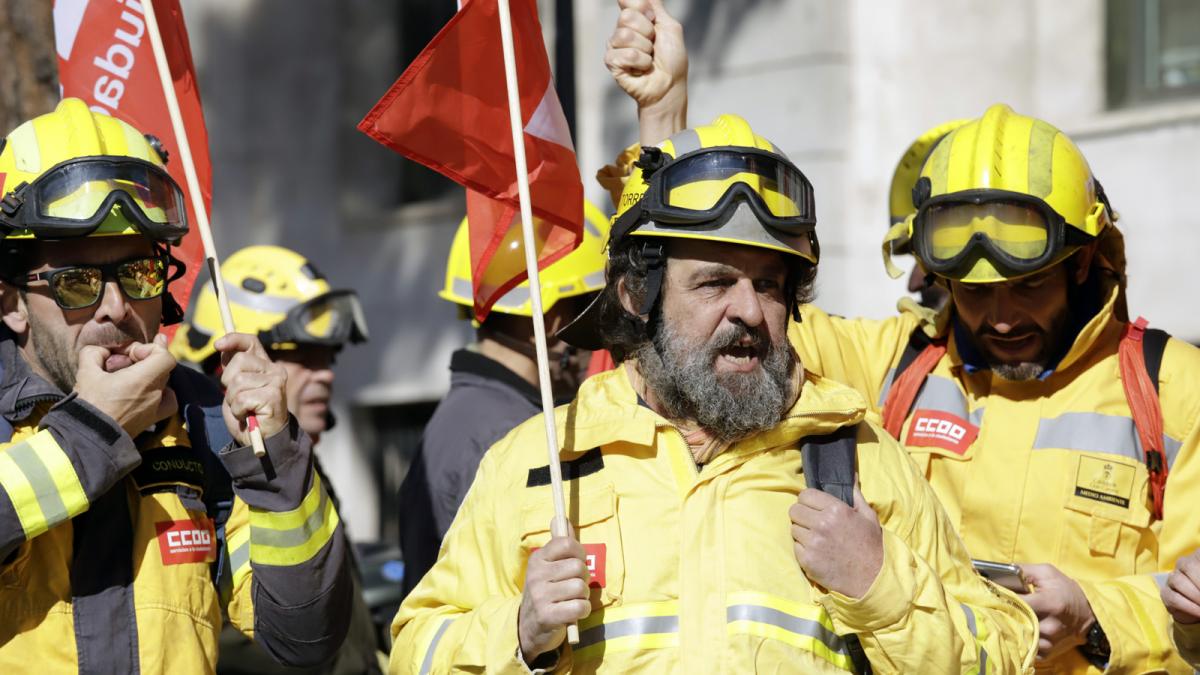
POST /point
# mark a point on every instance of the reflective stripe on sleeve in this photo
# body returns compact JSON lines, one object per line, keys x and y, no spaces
{"x":41,"y":482}
{"x":238,"y":545}
{"x":427,"y":662}
{"x":806,"y":627}
{"x":652,"y":625}
{"x":293,"y":537}
{"x":979,"y":639}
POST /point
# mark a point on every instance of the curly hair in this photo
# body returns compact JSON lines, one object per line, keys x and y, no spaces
{"x":622,"y":333}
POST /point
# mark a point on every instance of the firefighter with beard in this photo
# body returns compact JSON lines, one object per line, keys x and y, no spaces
{"x":698,"y":547}
{"x":302,"y":322}
{"x":133,"y":513}
{"x":1059,"y":434}
{"x":493,"y":382}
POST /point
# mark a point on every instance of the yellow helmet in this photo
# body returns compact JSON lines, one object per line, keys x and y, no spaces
{"x":720,"y":182}
{"x":580,"y":271}
{"x":277,"y":294}
{"x":906,"y":173}
{"x":1004,"y":196}
{"x":75,"y":173}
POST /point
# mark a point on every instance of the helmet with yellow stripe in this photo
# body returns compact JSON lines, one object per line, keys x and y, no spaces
{"x":76,"y":173}
{"x":276,"y":294}
{"x":720,"y":182}
{"x":1001,"y":197}
{"x":579,"y":272}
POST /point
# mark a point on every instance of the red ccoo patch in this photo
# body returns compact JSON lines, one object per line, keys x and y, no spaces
{"x":186,"y":541}
{"x":941,"y":430}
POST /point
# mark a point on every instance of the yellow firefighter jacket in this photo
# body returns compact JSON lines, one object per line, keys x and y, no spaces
{"x":1047,"y":471}
{"x":109,"y":561}
{"x":694,"y":566}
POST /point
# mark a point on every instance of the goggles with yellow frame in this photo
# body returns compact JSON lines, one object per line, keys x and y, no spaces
{"x":1017,"y":233}
{"x":702,"y":186}
{"x":73,"y":198}
{"x":330,"y":319}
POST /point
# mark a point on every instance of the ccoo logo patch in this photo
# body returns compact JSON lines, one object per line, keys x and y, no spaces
{"x":186,"y":541}
{"x":935,"y":428}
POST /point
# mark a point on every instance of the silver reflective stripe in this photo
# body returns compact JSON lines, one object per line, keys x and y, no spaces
{"x":594,"y":280}
{"x":515,"y":298}
{"x":462,"y":288}
{"x":1093,"y":432}
{"x":792,"y":624}
{"x":54,"y":511}
{"x":260,"y":301}
{"x":296,"y":536}
{"x":975,"y":634}
{"x":239,"y":556}
{"x":587,"y":225}
{"x":1161,"y":579}
{"x":887,"y":386}
{"x":427,"y":663}
{"x":685,"y":141}
{"x":939,"y":393}
{"x":641,"y":625}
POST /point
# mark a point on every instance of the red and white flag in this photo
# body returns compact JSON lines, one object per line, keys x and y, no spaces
{"x":105,"y":58}
{"x":449,"y":111}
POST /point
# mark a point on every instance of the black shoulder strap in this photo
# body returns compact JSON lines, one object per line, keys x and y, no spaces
{"x":1154,"y":343}
{"x":830,"y":464}
{"x":917,"y":342}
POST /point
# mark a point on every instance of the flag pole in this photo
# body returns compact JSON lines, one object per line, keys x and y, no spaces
{"x":559,"y":525}
{"x":194,"y":195}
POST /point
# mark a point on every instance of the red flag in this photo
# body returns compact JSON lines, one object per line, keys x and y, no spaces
{"x":449,"y":111}
{"x":105,"y":58}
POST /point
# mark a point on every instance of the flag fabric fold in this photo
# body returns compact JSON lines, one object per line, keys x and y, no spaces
{"x":105,"y":58}
{"x":449,"y":111}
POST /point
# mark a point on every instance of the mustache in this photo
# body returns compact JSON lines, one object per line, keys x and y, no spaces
{"x":1016,"y":333}
{"x":735,"y":334}
{"x":113,"y":334}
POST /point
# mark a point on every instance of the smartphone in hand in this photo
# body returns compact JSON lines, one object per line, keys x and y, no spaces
{"x":1004,"y":574}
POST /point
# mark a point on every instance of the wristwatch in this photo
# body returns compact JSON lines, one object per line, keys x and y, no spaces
{"x":1096,"y":650}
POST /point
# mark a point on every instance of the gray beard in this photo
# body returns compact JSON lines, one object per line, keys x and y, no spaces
{"x":731,"y":406}
{"x":1019,"y":372}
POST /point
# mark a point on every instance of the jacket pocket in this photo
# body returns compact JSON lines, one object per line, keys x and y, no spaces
{"x":594,"y":516}
{"x":1107,"y":517}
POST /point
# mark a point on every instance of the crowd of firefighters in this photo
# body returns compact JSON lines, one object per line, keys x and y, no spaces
{"x":997,"y":479}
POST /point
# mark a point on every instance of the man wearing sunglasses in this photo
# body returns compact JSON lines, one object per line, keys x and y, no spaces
{"x":133,"y":514}
{"x":698,"y":547}
{"x":1059,"y":434}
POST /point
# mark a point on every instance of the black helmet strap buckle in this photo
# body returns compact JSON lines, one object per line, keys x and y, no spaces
{"x":655,"y":255}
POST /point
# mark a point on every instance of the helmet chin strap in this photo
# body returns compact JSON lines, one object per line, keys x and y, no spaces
{"x":172,"y":312}
{"x":655,"y":255}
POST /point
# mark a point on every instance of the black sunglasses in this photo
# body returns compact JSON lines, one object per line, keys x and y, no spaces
{"x":81,"y":286}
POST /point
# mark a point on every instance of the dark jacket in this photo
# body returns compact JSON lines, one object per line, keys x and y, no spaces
{"x":485,"y":402}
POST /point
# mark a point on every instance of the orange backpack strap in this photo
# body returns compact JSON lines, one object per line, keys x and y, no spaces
{"x":920,"y":357}
{"x":1140,"y":353}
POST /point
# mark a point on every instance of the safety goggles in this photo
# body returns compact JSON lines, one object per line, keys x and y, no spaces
{"x":703,"y":186}
{"x":330,"y":319}
{"x":82,"y":286}
{"x":74,"y":197}
{"x":1018,"y":233}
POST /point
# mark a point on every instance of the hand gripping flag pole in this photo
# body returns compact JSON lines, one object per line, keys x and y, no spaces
{"x":193,"y":185}
{"x":559,"y":526}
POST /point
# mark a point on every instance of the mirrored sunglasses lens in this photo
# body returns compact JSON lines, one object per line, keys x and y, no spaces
{"x":143,"y":279}
{"x":77,"y":287}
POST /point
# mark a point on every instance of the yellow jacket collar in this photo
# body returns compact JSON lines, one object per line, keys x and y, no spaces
{"x":606,"y":410}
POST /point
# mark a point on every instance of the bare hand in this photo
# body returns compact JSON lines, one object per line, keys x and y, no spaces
{"x":556,"y":595}
{"x":647,"y":58}
{"x":135,"y":395}
{"x":838,"y":547}
{"x":254,"y":385}
{"x":1181,"y":594}
{"x":1063,"y":611}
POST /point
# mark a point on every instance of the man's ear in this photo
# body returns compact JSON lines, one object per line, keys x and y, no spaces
{"x":1083,"y":263}
{"x":13,"y":309}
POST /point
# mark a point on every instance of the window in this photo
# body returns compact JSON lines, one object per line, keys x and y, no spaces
{"x":392,"y":433}
{"x":1153,"y":50}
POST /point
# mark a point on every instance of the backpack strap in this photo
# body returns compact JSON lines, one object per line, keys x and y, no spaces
{"x":920,"y":357}
{"x":1140,"y":354}
{"x":830,"y":465}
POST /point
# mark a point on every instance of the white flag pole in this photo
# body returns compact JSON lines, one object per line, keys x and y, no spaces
{"x":559,"y":525}
{"x":193,"y":185}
